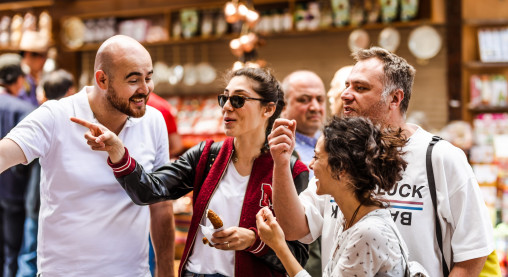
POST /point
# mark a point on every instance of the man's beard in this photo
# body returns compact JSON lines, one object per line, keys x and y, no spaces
{"x":376,"y":113}
{"x":124,"y":106}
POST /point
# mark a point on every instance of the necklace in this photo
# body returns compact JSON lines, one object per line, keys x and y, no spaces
{"x":350,"y":223}
{"x":235,"y":157}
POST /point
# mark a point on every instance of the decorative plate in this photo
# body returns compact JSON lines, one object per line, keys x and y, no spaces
{"x":389,"y":39}
{"x":358,"y":39}
{"x":424,"y":42}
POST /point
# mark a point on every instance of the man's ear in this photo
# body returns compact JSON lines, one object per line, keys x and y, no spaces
{"x":284,"y":112}
{"x":396,"y":99}
{"x":102,"y":79}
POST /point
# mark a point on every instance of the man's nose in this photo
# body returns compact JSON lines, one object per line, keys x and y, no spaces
{"x":314,"y":104}
{"x":347,"y":94}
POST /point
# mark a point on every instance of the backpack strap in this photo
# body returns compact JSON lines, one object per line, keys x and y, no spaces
{"x":432,"y":189}
{"x":212,"y":152}
{"x":293,"y":159}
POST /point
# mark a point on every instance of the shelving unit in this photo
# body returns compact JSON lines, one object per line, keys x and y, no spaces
{"x":477,"y":15}
{"x":322,"y":51}
{"x":14,"y":6}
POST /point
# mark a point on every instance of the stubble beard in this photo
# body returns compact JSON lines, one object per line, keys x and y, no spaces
{"x":376,"y":113}
{"x":124,"y":106}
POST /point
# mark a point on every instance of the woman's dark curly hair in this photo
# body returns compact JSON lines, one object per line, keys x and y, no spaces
{"x":372,"y":157}
{"x":267,"y":86}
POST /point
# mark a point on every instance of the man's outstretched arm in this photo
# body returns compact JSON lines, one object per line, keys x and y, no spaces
{"x":10,"y":154}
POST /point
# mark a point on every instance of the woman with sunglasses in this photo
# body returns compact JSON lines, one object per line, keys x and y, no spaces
{"x":233,"y":178}
{"x":353,"y":160}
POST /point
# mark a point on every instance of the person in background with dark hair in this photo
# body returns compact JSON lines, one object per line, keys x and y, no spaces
{"x":55,"y":85}
{"x":58,"y":84}
{"x":236,"y":187}
{"x":13,"y":182}
{"x":353,"y":159}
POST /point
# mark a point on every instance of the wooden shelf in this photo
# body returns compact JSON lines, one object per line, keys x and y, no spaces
{"x":488,"y":109}
{"x":293,"y":33}
{"x":486,"y":22}
{"x":194,"y":40}
{"x":371,"y":26}
{"x":484,"y":65}
{"x":20,"y":5}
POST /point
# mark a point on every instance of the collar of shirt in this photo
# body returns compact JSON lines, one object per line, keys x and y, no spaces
{"x":309,"y":141}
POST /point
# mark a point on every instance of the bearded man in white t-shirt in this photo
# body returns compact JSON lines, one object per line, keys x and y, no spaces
{"x":379,"y":87}
{"x":88,"y":226}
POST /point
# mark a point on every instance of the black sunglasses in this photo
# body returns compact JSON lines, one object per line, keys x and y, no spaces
{"x":237,"y":101}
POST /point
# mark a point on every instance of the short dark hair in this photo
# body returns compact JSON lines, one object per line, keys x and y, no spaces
{"x":57,"y":83}
{"x":398,"y":73}
{"x":10,"y":69}
{"x":372,"y":157}
{"x":267,"y":87}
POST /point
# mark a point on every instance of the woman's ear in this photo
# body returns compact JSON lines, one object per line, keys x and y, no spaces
{"x":269,"y":110}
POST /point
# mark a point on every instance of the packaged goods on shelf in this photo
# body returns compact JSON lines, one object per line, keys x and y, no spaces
{"x":488,"y":90}
{"x":490,"y":162}
{"x":501,"y":241}
{"x":486,"y":175}
{"x":487,"y":125}
{"x":198,"y":118}
{"x":493,"y":44}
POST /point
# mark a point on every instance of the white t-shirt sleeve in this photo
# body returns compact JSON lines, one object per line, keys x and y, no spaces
{"x":466,"y":207}
{"x":302,"y":273}
{"x":35,"y":132}
{"x":314,"y":211}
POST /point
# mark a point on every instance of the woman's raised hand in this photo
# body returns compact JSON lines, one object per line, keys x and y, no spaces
{"x":282,"y":140}
{"x":101,"y":138}
{"x":269,"y":230}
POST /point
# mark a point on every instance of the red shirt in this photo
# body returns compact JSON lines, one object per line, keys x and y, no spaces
{"x":165,"y":108}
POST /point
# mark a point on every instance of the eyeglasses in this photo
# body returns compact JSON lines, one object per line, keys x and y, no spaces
{"x":237,"y":101}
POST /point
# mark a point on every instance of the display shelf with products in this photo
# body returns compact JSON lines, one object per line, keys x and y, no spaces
{"x":26,"y":29}
{"x":198,"y":118}
{"x":484,"y":53}
{"x":293,"y":18}
{"x":484,"y":75}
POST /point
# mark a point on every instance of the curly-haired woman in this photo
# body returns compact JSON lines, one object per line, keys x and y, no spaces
{"x":353,"y":158}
